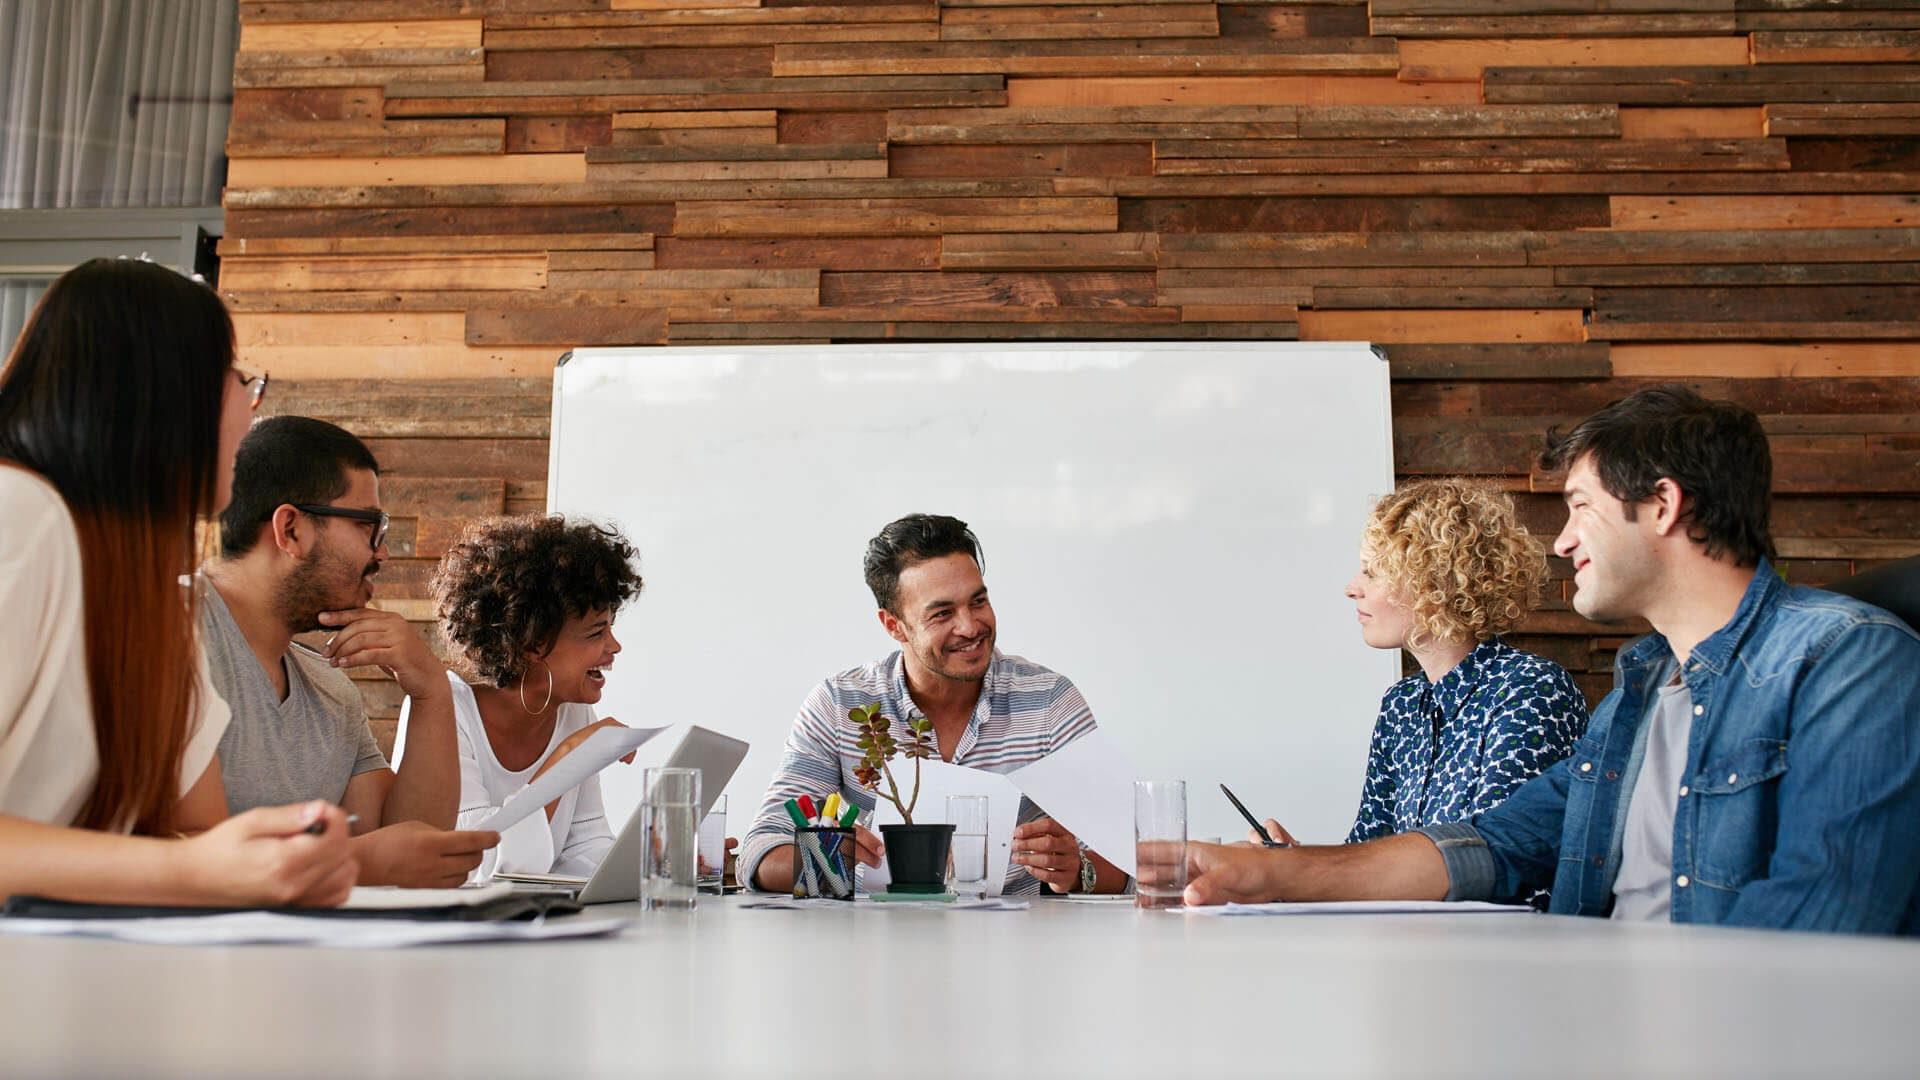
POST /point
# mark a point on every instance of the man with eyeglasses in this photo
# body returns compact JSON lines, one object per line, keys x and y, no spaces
{"x":300,"y":544}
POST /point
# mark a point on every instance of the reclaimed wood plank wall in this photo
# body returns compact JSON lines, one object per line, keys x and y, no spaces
{"x":1536,"y":205}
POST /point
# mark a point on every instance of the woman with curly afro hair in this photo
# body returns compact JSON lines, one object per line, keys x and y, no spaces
{"x":1445,"y":569}
{"x":527,"y":605}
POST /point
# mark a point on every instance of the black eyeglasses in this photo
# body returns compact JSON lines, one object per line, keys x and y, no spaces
{"x":378,"y":518}
{"x":252,"y":380}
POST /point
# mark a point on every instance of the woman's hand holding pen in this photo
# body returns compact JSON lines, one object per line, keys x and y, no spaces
{"x":271,"y":857}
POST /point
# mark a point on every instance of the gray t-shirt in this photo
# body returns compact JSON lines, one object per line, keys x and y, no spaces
{"x":1643,"y":890}
{"x":277,"y":752}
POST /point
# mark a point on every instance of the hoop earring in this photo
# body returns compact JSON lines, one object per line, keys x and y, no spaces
{"x":548,"y":700}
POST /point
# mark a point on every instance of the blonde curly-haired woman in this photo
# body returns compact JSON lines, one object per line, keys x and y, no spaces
{"x":1445,"y":569}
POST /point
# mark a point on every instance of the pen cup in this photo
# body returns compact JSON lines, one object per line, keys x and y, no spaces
{"x":823,"y":863}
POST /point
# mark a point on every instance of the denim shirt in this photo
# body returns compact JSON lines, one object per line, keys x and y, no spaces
{"x":1800,"y":807}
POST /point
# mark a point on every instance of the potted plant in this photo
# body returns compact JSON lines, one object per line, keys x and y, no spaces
{"x":916,"y":853}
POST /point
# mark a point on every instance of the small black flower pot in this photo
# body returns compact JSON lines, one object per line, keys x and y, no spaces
{"x":917,"y":857}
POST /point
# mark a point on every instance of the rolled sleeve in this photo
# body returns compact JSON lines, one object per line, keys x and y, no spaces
{"x":1470,"y":868}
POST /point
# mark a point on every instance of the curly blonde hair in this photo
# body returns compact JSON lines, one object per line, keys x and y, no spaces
{"x":1453,"y":553}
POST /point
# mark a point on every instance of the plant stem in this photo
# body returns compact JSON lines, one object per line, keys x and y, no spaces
{"x":915,"y":801}
{"x":906,"y":811}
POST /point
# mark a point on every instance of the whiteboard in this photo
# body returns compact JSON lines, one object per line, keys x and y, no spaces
{"x":1170,"y":525}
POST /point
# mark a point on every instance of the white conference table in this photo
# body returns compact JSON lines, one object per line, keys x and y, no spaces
{"x":1060,"y":990}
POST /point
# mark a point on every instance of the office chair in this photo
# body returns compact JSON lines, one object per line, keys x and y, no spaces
{"x":1895,"y":587}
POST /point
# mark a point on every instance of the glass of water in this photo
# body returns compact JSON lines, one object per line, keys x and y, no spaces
{"x":968,"y":816}
{"x":669,"y":816}
{"x":1160,"y":843}
{"x":713,"y":846}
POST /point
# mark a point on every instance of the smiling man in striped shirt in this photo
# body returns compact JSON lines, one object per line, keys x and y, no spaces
{"x":989,"y":711}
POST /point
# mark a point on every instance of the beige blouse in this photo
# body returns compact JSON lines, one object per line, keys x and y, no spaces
{"x":48,"y":761}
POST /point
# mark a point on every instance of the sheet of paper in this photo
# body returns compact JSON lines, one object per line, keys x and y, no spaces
{"x":781,"y":903}
{"x":389,"y":897}
{"x":1367,"y":907}
{"x":1086,"y":786}
{"x":938,"y":779}
{"x":267,"y":928}
{"x":602,"y":748}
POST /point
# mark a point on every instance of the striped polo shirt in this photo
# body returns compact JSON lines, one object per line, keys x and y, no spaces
{"x":1024,"y":713}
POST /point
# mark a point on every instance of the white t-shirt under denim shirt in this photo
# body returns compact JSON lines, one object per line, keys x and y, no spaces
{"x":576,"y":838}
{"x":49,"y":761}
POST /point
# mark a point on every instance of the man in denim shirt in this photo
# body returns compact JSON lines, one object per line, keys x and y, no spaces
{"x":1758,"y":761}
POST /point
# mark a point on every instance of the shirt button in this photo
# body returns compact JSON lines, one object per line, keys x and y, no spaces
{"x":1683,"y":791}
{"x":1586,"y":766}
{"x":1597,"y":860}
{"x":1733,"y":778}
{"x":1681,"y":881}
{"x":1699,"y":710}
{"x":1613,"y":774}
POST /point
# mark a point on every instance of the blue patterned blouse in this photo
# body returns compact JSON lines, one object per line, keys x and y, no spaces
{"x":1449,"y":750}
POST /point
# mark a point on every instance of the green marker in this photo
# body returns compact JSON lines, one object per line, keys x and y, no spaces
{"x":793,"y":811}
{"x":852,"y":815}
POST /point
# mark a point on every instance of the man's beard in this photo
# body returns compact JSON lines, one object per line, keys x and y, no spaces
{"x":306,"y":593}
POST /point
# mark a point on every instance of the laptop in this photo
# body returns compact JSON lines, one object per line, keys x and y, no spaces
{"x":618,"y":878}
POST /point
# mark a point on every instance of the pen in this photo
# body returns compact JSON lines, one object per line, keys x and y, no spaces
{"x":1259,"y":829}
{"x":320,"y":826}
{"x":793,"y":811}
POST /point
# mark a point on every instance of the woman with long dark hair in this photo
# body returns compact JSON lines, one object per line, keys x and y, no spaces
{"x":120,"y":408}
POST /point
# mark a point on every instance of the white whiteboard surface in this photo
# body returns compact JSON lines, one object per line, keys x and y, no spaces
{"x":1170,"y":525}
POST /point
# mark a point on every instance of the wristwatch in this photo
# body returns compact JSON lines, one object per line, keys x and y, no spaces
{"x":1088,"y":875}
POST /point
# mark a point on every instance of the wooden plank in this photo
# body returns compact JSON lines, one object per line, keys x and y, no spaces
{"x":1836,"y":46}
{"x":329,"y":36}
{"x":303,"y":11}
{"x":1260,"y":20}
{"x":704,"y":32}
{"x":332,"y":272}
{"x":733,"y":162}
{"x":888,"y":253}
{"x":1739,"y":122}
{"x":378,"y":172}
{"x":1755,"y":313}
{"x":1050,"y":251}
{"x":622,"y":194}
{"x":809,"y":152}
{"x":443,"y":76}
{"x":1236,"y":90}
{"x":1702,"y":86}
{"x":1026,"y":159}
{"x":722,"y":118}
{"x":600,"y":260}
{"x":697,"y":136}
{"x":1363,"y":214}
{"x":1019,"y":289}
{"x":1079,"y":22}
{"x":1862,"y":182}
{"x":1727,"y":240}
{"x":368,"y":138}
{"x":262,"y":108}
{"x":1410,"y":157}
{"x":1839,"y":273}
{"x":1343,"y":249}
{"x":1091,"y":123}
{"x":1748,"y":360}
{"x":637,"y":95}
{"x":1363,"y":277}
{"x":1766,"y":212}
{"x":1237,"y":302}
{"x":892,"y":217}
{"x":353,"y":345}
{"x":1452,"y":121}
{"x":567,"y":326}
{"x":555,"y":134}
{"x":1417,"y":326}
{"x":434,"y":245}
{"x":1467,"y":58}
{"x":1243,"y":313}
{"x":1838,"y":120}
{"x":422,"y":416}
{"x":1635,"y":24}
{"x":249,"y":66}
{"x":1589,"y":360}
{"x":1335,"y":298}
{"x":831,"y":127}
{"x":955,"y":313}
{"x":1319,"y":56}
{"x":721,"y":62}
{"x":595,"y":30}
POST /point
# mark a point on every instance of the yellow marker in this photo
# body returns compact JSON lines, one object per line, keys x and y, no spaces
{"x":832,"y":810}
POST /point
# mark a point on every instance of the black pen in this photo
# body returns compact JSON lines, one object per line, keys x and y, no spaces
{"x":320,"y":826}
{"x":1258,"y":829}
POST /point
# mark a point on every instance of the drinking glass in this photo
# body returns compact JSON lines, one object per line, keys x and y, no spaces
{"x":713,"y":846}
{"x":669,"y":819}
{"x":1160,"y":842}
{"x":968,"y":816}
